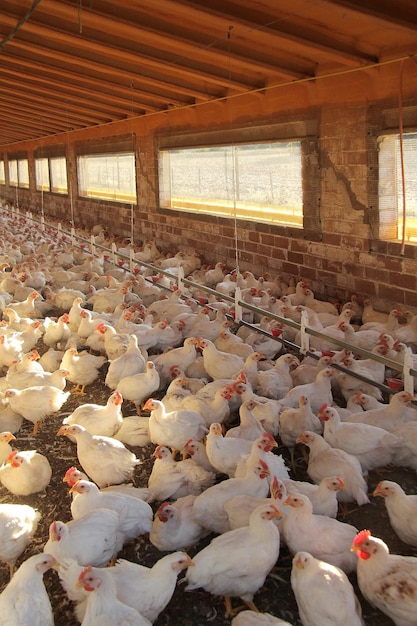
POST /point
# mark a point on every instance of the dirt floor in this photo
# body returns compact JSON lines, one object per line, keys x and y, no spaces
{"x":186,"y":608}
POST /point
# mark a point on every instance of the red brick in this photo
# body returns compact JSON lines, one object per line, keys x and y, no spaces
{"x":377,"y":275}
{"x":295,"y":257}
{"x":391,"y":294}
{"x":406,"y":281}
{"x":332,"y":239}
{"x":410,"y":298}
{"x":365,"y":287}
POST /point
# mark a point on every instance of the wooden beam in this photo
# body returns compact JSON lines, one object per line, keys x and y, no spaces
{"x":79,"y":46}
{"x":385,"y":11}
{"x":88,"y":69}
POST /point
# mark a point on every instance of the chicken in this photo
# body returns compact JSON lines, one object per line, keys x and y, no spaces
{"x":56,"y":332}
{"x":94,"y":538}
{"x":292,"y":422}
{"x":237,"y":563}
{"x":26,"y":308}
{"x":103,"y":606}
{"x":219,"y":364}
{"x":174,"y":526}
{"x":197,"y":451}
{"x":323,"y":593}
{"x":227,"y":341}
{"x":73,"y":475}
{"x":36,"y":403}
{"x":372,"y":446}
{"x":25,"y":601}
{"x":208,"y":507}
{"x":224,"y":453}
{"x":401,"y":508}
{"x":276,"y":382}
{"x":99,"y":419}
{"x":5,"y":447}
{"x":388,"y":416}
{"x":323,"y":496}
{"x":22,"y":380}
{"x":327,"y":461}
{"x":317,"y":392}
{"x":134,"y":431}
{"x":387,"y":581}
{"x":306,"y":372}
{"x":254,"y":618}
{"x":324,"y":537}
{"x":216,"y":409}
{"x":262,"y":449}
{"x":25,"y":472}
{"x":131,"y":362}
{"x":138,"y":387}
{"x":104,"y":459}
{"x":18,"y":524}
{"x":240,"y":508}
{"x":180,"y":357}
{"x":250,"y":427}
{"x":176,"y":479}
{"x":156,"y":584}
{"x":173,"y":429}
{"x":83,"y":368}
{"x":406,"y":454}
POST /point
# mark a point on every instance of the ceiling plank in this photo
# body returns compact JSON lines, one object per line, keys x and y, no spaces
{"x":112,"y":55}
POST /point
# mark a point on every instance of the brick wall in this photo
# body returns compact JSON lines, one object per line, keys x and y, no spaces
{"x":341,"y":258}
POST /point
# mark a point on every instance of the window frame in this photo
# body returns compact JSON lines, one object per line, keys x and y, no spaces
{"x":305,"y":131}
{"x":2,"y":172}
{"x":103,"y":194}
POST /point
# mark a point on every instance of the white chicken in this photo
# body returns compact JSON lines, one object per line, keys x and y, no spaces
{"x":130,"y":363}
{"x":388,"y":416}
{"x":174,"y":526}
{"x":103,"y":606}
{"x":216,"y":409}
{"x":134,"y":515}
{"x":317,"y":392}
{"x":387,"y":581}
{"x":219,"y":364}
{"x":176,"y":479}
{"x":5,"y":447}
{"x":208,"y":507}
{"x":83,"y":368}
{"x":94,"y":538}
{"x":157,"y":584}
{"x":138,"y":387}
{"x":250,"y":427}
{"x":323,"y":593}
{"x":18,"y":524}
{"x":25,"y":472}
{"x":323,"y":496}
{"x":237,"y":563}
{"x":25,"y":601}
{"x":327,"y":461}
{"x":372,"y":446}
{"x":36,"y":403}
{"x":401,"y":508}
{"x":276,"y":382}
{"x":99,"y":419}
{"x":254,"y":618}
{"x":224,"y":453}
{"x":104,"y":459}
{"x":292,"y":422}
{"x":324,"y":537}
{"x":173,"y":429}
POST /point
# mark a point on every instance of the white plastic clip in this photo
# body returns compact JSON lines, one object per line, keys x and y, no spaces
{"x":113,"y":253}
{"x":93,"y":247}
{"x":407,"y":377}
{"x":131,"y":259}
{"x":238,"y":308}
{"x":305,"y":338}
{"x":180,"y":278}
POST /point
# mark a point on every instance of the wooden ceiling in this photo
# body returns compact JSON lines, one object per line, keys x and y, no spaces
{"x":73,"y":64}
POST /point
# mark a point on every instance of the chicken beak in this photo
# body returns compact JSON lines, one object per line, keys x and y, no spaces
{"x":299,"y":563}
{"x":62,"y":430}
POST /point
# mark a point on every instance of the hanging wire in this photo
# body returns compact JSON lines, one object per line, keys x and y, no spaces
{"x":404,"y":200}
{"x":234,"y":163}
{"x":132,"y":215}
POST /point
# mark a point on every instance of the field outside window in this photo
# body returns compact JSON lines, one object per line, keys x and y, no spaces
{"x":259,"y":182}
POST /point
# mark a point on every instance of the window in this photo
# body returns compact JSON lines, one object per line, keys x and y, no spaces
{"x":19,"y":173}
{"x":51,"y":174}
{"x":23,"y":173}
{"x":13,"y":178}
{"x":390,"y":188}
{"x":254,"y":181}
{"x":108,"y":177}
{"x":58,"y":174}
{"x":2,"y":173}
{"x":42,"y":175}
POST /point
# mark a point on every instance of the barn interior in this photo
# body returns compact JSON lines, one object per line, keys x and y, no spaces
{"x":275,"y":137}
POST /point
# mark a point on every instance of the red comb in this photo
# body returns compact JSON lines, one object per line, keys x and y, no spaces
{"x":323,"y":408}
{"x":361,"y":537}
{"x":263,"y":464}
